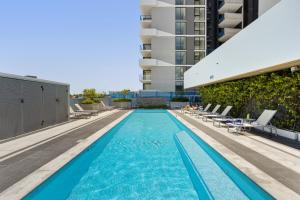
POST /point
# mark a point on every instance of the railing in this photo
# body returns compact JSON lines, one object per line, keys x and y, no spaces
{"x":145,"y":17}
{"x":156,"y":94}
{"x":180,"y":2}
{"x":145,"y":77}
{"x":221,"y":3}
{"x":145,"y":47}
{"x":221,"y":18}
{"x":221,"y":32}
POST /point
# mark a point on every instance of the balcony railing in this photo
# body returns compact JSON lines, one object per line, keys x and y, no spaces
{"x":221,"y":18}
{"x":145,"y":17}
{"x":221,"y":32}
{"x":221,"y":3}
{"x":145,"y":47}
{"x":145,"y":77}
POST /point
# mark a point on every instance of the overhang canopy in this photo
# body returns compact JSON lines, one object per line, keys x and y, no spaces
{"x":270,"y":43}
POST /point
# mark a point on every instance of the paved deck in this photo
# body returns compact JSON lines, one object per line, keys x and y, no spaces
{"x":22,"y":159}
{"x":277,"y":160}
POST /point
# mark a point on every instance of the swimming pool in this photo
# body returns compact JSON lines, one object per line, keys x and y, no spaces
{"x":149,"y":155}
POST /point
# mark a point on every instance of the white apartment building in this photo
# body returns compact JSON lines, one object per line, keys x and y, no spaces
{"x":173,"y":37}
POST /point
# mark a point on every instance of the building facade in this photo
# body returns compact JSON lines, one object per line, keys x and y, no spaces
{"x":173,"y":36}
{"x":177,"y":34}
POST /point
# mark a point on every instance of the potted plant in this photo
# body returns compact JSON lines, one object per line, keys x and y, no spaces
{"x":123,"y":102}
{"x":91,"y":99}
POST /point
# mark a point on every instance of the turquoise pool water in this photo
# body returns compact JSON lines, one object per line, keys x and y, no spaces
{"x":149,"y":155}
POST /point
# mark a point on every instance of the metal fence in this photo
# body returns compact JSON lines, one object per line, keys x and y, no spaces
{"x":28,"y":104}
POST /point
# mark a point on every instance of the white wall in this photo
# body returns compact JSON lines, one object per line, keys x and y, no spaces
{"x":163,"y":19}
{"x":163,"y":78}
{"x":265,"y":5}
{"x":272,"y":39}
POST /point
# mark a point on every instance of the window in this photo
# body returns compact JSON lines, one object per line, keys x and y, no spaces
{"x":180,"y":13}
{"x":199,"y":28}
{"x":199,"y":2}
{"x":199,"y":14}
{"x":199,"y":43}
{"x":198,"y":55}
{"x":180,"y":2}
{"x":180,"y":28}
{"x":180,"y":57}
{"x":180,"y":43}
{"x":179,"y":86}
{"x":179,"y":72}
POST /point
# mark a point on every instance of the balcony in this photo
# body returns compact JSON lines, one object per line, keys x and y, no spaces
{"x":146,"y":78}
{"x":230,"y":20}
{"x":147,"y":5}
{"x":148,"y":33}
{"x":227,"y":33}
{"x":230,"y":6}
{"x":144,"y":18}
{"x":147,"y":63}
{"x":145,"y":50}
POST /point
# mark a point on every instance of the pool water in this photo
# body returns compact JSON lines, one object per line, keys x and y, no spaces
{"x":140,"y":159}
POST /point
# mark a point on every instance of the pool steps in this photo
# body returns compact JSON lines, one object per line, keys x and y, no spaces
{"x":209,"y":180}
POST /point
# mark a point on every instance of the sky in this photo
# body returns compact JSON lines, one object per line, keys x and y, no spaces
{"x":86,"y":43}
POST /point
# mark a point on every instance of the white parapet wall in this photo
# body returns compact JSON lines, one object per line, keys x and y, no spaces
{"x":284,"y":133}
{"x":270,"y":43}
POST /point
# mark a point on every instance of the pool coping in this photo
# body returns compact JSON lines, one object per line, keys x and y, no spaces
{"x":269,"y":184}
{"x":20,"y":189}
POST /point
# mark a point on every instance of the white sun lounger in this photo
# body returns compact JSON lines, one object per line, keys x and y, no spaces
{"x":80,"y":109}
{"x":262,"y":122}
{"x":196,"y":112}
{"x":222,"y":115}
{"x":214,"y":111}
{"x":78,"y":115}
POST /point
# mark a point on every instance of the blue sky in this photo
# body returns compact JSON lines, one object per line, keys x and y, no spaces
{"x":87,"y":43}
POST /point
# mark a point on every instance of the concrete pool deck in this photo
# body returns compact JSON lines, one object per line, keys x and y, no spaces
{"x":274,"y":166}
{"x":28,"y":161}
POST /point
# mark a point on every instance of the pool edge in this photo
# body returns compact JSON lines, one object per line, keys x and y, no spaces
{"x":266,"y":182}
{"x":23,"y":187}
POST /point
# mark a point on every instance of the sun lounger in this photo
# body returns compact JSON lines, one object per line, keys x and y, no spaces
{"x":222,"y":115}
{"x":223,"y":120}
{"x":262,"y":122}
{"x":214,"y":111}
{"x":201,"y":109}
{"x":80,"y":109}
{"x":105,"y":107}
{"x":78,"y":115}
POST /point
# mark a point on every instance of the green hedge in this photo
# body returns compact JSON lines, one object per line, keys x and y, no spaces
{"x":278,"y":90}
{"x":122,"y":100}
{"x":87,"y":101}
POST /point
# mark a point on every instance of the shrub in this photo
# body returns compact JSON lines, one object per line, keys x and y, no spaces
{"x":89,"y":93}
{"x":92,"y":95}
{"x":122,"y":100}
{"x":125,"y":92}
{"x":87,"y":101}
{"x":277,"y":90}
{"x":180,"y":99}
